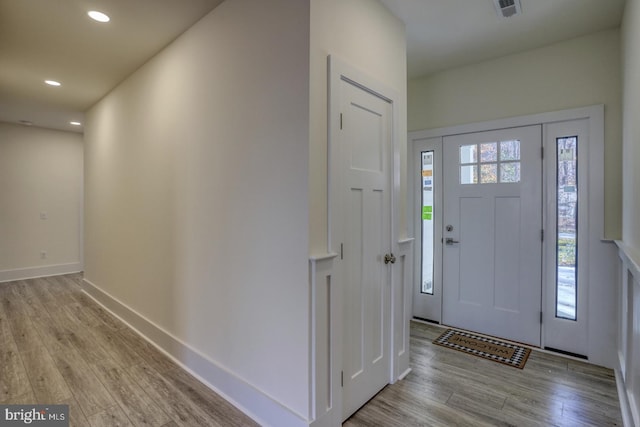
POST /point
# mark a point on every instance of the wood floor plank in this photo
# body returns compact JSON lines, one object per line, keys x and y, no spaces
{"x":110,"y":417}
{"x":591,"y":410}
{"x":464,"y":404}
{"x":151,"y":355}
{"x":23,"y":399}
{"x":533,"y":409}
{"x":6,"y":337}
{"x":91,"y":395}
{"x":76,"y":416}
{"x":10,"y":301}
{"x":214,"y":405}
{"x":107,"y":318}
{"x":80,"y":337}
{"x":84,"y":315}
{"x":24,"y":333}
{"x":46,"y":381}
{"x":58,"y":292}
{"x":14,"y":381}
{"x":134,"y":401}
{"x":33,"y":305}
{"x":40,"y":288}
{"x":175,"y":403}
{"x":118,"y":349}
{"x":53,"y":335}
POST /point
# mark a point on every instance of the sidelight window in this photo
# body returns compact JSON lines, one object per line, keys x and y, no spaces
{"x":566,"y":227}
{"x":428,"y":244}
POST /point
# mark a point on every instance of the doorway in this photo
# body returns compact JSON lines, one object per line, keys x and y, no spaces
{"x":362,"y":113}
{"x":480,"y":221}
{"x":508,"y":231}
{"x":492,"y":248}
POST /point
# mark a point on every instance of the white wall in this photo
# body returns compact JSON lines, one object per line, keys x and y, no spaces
{"x":629,"y":280}
{"x":574,"y":73}
{"x":631,"y":127}
{"x":197,"y":207}
{"x":40,"y":172}
{"x":365,"y":35}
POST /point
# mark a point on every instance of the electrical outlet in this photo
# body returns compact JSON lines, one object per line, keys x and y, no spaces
{"x":43,"y":254}
{"x":43,"y":215}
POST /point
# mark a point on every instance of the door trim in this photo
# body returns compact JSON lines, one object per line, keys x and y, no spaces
{"x":601,"y":252}
{"x":341,"y":71}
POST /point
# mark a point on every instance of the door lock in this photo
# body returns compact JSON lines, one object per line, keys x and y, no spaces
{"x":389,"y":258}
{"x":450,"y":241}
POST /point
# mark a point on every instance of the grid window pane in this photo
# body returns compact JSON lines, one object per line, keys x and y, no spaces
{"x":489,"y":152}
{"x":489,"y":173}
{"x":469,"y":174}
{"x":509,"y":150}
{"x":468,"y":154}
{"x":510,"y":172}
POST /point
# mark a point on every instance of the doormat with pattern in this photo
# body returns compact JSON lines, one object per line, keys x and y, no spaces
{"x":488,"y":348}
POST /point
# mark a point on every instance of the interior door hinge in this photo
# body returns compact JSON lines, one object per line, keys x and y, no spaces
{"x":341,"y":378}
{"x":340,"y":120}
{"x":542,"y":235}
{"x":341,"y":251}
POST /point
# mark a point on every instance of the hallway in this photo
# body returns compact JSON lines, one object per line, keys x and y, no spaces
{"x":58,"y":346}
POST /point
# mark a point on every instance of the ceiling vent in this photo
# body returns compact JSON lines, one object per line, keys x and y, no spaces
{"x":508,"y":8}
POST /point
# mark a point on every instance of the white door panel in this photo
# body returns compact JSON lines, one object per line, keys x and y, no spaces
{"x":492,"y":253}
{"x":365,"y":141}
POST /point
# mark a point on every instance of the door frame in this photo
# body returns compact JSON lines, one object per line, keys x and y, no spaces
{"x":339,"y":71}
{"x":593,"y":284}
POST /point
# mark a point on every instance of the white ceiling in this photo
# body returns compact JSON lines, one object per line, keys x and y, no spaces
{"x":54,"y":39}
{"x":443,"y":34}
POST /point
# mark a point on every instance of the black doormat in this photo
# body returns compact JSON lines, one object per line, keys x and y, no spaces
{"x":488,"y":348}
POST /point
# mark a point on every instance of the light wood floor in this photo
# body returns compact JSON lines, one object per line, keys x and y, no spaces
{"x":59,"y":346}
{"x":450,"y":388}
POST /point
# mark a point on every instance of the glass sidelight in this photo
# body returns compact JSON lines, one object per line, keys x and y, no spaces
{"x":566,"y":227}
{"x":427,"y":222}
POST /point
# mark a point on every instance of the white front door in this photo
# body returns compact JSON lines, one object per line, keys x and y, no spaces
{"x":492,"y":243}
{"x":365,"y":142}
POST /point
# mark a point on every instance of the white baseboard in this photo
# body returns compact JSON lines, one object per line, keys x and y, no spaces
{"x":33,"y":272}
{"x":256,"y":404}
{"x":404,"y":374}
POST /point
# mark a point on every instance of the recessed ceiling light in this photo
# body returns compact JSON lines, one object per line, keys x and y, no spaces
{"x":52,"y":83}
{"x":98,"y":16}
{"x":75,"y":123}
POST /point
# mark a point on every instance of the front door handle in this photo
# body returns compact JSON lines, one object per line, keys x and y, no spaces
{"x":450,"y":241}
{"x":389,"y":258}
